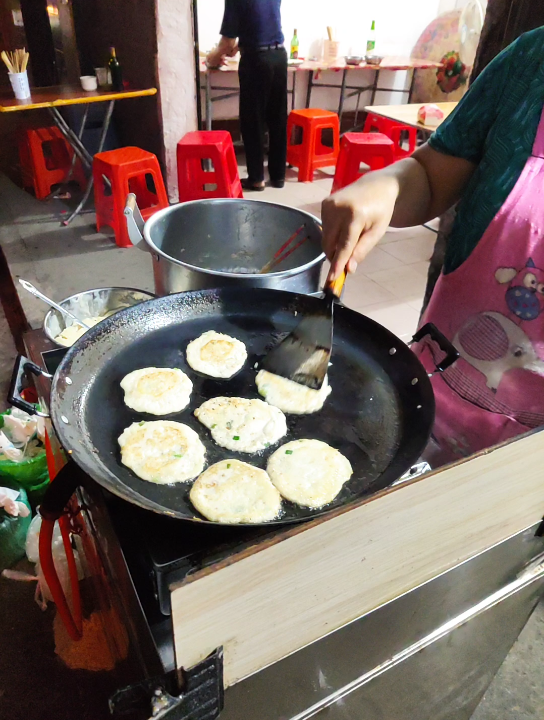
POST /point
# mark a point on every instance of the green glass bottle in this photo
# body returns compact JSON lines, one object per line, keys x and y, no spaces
{"x":371,"y":42}
{"x":115,"y":70}
{"x":294,"y":46}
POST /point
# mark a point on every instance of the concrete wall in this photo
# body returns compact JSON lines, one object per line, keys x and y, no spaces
{"x":128,"y":25}
{"x":154,"y":43}
{"x":399,"y":23}
{"x":176,"y":71}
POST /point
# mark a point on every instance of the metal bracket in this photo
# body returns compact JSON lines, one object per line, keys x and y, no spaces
{"x":135,"y":222}
{"x":415,"y":471}
{"x":201,"y":697}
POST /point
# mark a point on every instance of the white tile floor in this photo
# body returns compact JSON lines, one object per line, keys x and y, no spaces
{"x":388,"y":287}
{"x":390,"y":284}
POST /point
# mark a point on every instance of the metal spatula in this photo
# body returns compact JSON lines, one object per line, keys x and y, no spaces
{"x":303,"y":356}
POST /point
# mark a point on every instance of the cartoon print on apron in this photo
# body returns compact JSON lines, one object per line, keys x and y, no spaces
{"x":492,"y":308}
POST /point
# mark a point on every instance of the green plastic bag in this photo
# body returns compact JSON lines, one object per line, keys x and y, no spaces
{"x":13,"y":530}
{"x":26,"y":473}
{"x":31,"y":474}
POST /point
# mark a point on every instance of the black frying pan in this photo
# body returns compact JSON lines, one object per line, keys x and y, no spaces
{"x":379,"y":414}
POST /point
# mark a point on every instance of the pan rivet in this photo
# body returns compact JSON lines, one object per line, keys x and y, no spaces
{"x":393,"y":351}
{"x":64,"y":419}
{"x":414,"y":381}
{"x":68,"y":381}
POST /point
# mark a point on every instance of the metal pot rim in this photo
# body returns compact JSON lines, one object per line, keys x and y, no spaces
{"x":52,"y":311}
{"x":156,"y":217}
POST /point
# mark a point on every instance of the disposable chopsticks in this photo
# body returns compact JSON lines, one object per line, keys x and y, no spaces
{"x":279,"y":257}
{"x":15,"y":61}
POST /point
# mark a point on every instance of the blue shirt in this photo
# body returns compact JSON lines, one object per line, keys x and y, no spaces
{"x":254,"y":22}
{"x":493,"y":126}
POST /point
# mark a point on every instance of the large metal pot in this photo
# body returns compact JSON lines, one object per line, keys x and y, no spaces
{"x":224,"y":242}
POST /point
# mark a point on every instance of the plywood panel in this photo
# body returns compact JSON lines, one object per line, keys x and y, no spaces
{"x":274,"y":601}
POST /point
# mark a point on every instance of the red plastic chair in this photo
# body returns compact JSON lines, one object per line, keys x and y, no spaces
{"x":311,"y":153}
{"x":207,"y":166}
{"x":46,"y":158}
{"x":374,"y":149}
{"x":394,"y":130}
{"x":128,"y":169}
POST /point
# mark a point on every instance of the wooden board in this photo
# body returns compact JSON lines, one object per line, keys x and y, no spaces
{"x":62,"y":96}
{"x":407,"y":114}
{"x":277,"y":598}
{"x":388,"y":63}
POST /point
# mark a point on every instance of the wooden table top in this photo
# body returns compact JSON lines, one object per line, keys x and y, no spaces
{"x":59,"y":96}
{"x":407,"y":114}
{"x":388,"y":63}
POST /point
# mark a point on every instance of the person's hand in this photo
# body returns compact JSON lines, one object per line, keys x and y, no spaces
{"x":215,"y":59}
{"x":355,"y":218}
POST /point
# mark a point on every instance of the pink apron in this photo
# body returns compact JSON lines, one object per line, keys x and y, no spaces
{"x":492,"y":309}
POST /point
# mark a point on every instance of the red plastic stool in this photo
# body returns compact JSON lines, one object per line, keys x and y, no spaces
{"x":311,"y":154}
{"x":196,"y":152}
{"x":393,"y":130}
{"x":374,"y":149}
{"x":129,"y":170}
{"x":46,"y":159}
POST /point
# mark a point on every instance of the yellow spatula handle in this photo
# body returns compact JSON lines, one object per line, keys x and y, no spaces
{"x":336,"y":286}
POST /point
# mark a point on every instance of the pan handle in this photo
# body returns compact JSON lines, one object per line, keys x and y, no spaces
{"x":335,"y":287}
{"x":61,"y":489}
{"x":23,"y":368}
{"x":452,"y":354}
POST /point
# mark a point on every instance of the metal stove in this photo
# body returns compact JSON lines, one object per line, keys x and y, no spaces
{"x":428,"y":654}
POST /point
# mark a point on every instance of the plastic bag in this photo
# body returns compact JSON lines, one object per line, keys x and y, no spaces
{"x":13,"y":530}
{"x":32,"y":549}
{"x":59,"y":559}
{"x":30,"y":473}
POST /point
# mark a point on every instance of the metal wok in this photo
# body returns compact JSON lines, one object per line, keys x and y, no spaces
{"x":379,"y":414}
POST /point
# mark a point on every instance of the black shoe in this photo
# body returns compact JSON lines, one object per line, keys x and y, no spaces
{"x":277,"y":183}
{"x":251,"y":185}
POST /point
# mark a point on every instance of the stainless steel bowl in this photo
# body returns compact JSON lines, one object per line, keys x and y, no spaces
{"x":353,"y":59}
{"x":91,"y":303}
{"x":373,"y":59}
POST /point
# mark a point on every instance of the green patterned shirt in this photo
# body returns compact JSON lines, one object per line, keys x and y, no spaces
{"x":494,"y":126}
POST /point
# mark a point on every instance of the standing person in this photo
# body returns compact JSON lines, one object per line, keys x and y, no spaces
{"x":263,"y":84}
{"x":488,"y":156}
{"x":505,"y":20}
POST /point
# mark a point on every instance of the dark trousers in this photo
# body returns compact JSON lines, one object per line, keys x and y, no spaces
{"x":263,"y":104}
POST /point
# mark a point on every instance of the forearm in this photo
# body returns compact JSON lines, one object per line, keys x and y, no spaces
{"x":424,"y":186}
{"x":226,"y":46}
{"x":406,"y":193}
{"x":413,"y":194}
{"x":429,"y":184}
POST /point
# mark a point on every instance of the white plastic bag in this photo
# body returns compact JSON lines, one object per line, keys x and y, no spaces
{"x":43,"y":594}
